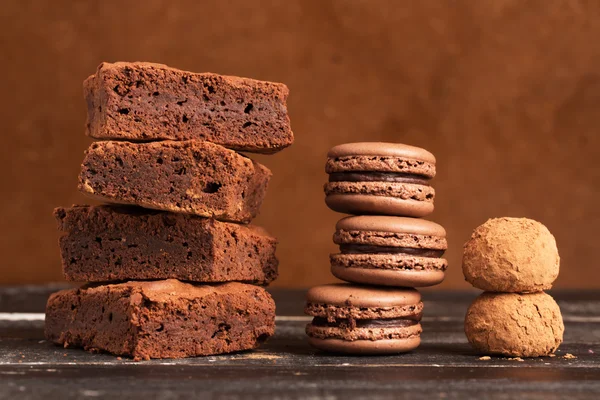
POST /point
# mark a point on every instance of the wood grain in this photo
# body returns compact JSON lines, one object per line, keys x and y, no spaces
{"x":444,"y":366}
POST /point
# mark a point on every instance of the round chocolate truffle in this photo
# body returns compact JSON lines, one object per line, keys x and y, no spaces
{"x":513,"y":324}
{"x":511,"y":255}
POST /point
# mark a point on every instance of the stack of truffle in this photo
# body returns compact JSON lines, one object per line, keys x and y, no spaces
{"x":514,"y":260}
{"x":384,"y":250}
{"x":182,"y":198}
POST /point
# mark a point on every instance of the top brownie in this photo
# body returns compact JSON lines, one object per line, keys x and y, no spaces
{"x":144,"y":101}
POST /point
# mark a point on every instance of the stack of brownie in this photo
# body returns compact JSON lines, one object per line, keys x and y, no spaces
{"x":172,"y":264}
{"x":386,"y":250}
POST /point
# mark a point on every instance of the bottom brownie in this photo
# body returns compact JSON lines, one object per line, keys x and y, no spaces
{"x":161,"y":319}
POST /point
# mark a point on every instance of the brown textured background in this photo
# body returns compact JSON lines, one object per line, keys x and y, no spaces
{"x":506,"y":94}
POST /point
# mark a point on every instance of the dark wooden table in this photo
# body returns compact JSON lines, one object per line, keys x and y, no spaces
{"x":444,"y":367}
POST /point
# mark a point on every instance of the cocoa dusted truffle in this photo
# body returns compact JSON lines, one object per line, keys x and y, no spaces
{"x":516,"y":325}
{"x":511,"y":255}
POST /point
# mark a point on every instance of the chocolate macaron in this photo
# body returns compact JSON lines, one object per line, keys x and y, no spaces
{"x":364,"y":319}
{"x":389,"y":251}
{"x":380,"y":178}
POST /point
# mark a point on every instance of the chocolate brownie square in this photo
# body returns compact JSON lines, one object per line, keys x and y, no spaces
{"x":192,"y":176}
{"x":161,"y":319}
{"x":119,"y":243}
{"x":144,"y":101}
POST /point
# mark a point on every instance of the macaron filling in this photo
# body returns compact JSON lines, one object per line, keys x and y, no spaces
{"x":337,"y":312}
{"x":371,"y":332}
{"x":354,"y":248}
{"x":367,"y":323}
{"x":377,"y":176}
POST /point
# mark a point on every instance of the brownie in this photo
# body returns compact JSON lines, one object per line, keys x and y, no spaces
{"x":161,"y":319}
{"x":193,"y":176}
{"x":119,"y":243}
{"x":144,"y":101}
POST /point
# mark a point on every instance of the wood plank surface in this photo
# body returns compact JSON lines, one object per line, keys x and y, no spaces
{"x":443,"y":367}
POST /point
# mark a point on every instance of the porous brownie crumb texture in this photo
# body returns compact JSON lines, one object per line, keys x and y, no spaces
{"x":193,"y":177}
{"x":388,"y":262}
{"x":516,"y":325}
{"x":333,"y":313}
{"x":381,"y":164}
{"x":404,"y":191}
{"x":145,"y":101}
{"x":116,"y":243}
{"x":511,"y":255}
{"x":390,"y":239}
{"x":346,"y":332}
{"x":171,"y":320}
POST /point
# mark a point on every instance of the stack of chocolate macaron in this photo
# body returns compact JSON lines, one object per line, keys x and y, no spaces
{"x":385,"y":250}
{"x":513,"y":260}
{"x":173,"y":266}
